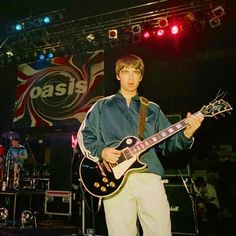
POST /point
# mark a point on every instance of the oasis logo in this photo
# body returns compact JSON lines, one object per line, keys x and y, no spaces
{"x":58,"y":88}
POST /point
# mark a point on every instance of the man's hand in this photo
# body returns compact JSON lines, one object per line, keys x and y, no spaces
{"x":194,"y":122}
{"x":110,"y":154}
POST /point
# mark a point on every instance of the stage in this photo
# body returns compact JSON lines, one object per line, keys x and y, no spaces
{"x":48,"y":212}
{"x":45,"y":229}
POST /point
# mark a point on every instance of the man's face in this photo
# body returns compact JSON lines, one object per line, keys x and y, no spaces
{"x":14,"y":143}
{"x":129,"y":79}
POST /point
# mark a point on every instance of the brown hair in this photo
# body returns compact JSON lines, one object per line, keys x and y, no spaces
{"x":129,"y":60}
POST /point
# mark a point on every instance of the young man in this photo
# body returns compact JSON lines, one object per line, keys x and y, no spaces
{"x":108,"y":122}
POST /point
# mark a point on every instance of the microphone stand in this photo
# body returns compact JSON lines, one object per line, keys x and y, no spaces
{"x":10,"y":158}
{"x":26,"y":144}
{"x":192,"y":200}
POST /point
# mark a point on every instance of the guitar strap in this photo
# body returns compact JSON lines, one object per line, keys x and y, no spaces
{"x":142,"y":117}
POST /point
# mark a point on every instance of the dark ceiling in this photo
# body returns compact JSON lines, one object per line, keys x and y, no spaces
{"x":12,"y":10}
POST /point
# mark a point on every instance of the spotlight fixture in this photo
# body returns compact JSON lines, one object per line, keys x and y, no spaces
{"x":174,"y":29}
{"x":113,"y":34}
{"x":136,"y":29}
{"x":189,"y":18}
{"x":160,"y":32}
{"x":50,"y":55}
{"x":9,"y":53}
{"x":46,"y":19}
{"x":38,"y":22}
{"x":163,"y":22}
{"x":218,"y":11}
{"x":147,"y":34}
{"x":3,"y":215}
{"x":136,"y":38}
{"x":19,"y":27}
{"x":90,"y":37}
{"x":113,"y":42}
{"x":215,"y":22}
{"x":41,"y":57}
{"x":28,"y":219}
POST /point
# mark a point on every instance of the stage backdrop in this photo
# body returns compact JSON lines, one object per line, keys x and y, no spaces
{"x":58,"y":92}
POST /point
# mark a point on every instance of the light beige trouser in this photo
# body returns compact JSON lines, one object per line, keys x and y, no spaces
{"x":144,"y":195}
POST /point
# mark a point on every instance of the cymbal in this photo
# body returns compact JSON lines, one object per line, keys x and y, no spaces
{"x":10,"y":135}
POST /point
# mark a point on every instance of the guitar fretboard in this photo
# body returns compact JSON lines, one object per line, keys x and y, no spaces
{"x":213,"y":109}
{"x":157,"y":138}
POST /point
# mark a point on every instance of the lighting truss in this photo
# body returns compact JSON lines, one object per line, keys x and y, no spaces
{"x":30,"y":23}
{"x":74,"y":34}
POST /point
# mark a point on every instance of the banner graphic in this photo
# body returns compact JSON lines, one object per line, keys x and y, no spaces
{"x":58,"y":92}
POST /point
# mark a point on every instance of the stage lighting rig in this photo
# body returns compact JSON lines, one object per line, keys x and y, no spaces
{"x":51,"y":18}
{"x":217,"y":14}
{"x":110,"y":29}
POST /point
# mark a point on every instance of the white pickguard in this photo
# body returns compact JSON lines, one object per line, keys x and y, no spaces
{"x":121,"y":168}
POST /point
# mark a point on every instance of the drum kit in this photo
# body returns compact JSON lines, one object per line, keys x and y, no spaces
{"x":11,"y":173}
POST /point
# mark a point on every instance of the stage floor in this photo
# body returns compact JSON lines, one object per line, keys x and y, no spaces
{"x":44,"y":228}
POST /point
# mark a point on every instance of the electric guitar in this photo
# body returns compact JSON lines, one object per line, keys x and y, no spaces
{"x":102,"y":182}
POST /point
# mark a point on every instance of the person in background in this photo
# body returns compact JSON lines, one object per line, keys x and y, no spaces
{"x":16,"y":155}
{"x":208,"y":205}
{"x":107,"y":123}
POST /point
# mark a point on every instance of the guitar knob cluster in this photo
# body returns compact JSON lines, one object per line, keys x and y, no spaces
{"x":104,"y":188}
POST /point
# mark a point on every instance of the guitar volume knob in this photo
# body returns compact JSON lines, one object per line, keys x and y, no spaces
{"x":105,"y":180}
{"x":96,"y":185}
{"x":103,"y":189}
{"x":112,"y":184}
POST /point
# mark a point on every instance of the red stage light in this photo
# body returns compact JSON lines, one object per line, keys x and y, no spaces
{"x":160,"y":32}
{"x":174,"y":29}
{"x":146,"y":34}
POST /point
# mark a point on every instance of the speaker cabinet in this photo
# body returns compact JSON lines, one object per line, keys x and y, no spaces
{"x":60,"y":164}
{"x":182,"y":209}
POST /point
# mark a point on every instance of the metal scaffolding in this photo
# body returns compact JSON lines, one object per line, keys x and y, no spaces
{"x":92,"y":32}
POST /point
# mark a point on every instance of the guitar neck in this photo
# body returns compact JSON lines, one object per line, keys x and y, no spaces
{"x":158,"y":137}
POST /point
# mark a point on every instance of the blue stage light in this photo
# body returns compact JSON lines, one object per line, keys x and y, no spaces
{"x":47,"y":20}
{"x":41,"y":57}
{"x":18,"y":27}
{"x":50,"y":55}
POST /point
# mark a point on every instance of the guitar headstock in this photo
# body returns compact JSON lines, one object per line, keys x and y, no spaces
{"x":215,"y":108}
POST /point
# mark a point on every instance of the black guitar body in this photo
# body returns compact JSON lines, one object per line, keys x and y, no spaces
{"x":100,"y":182}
